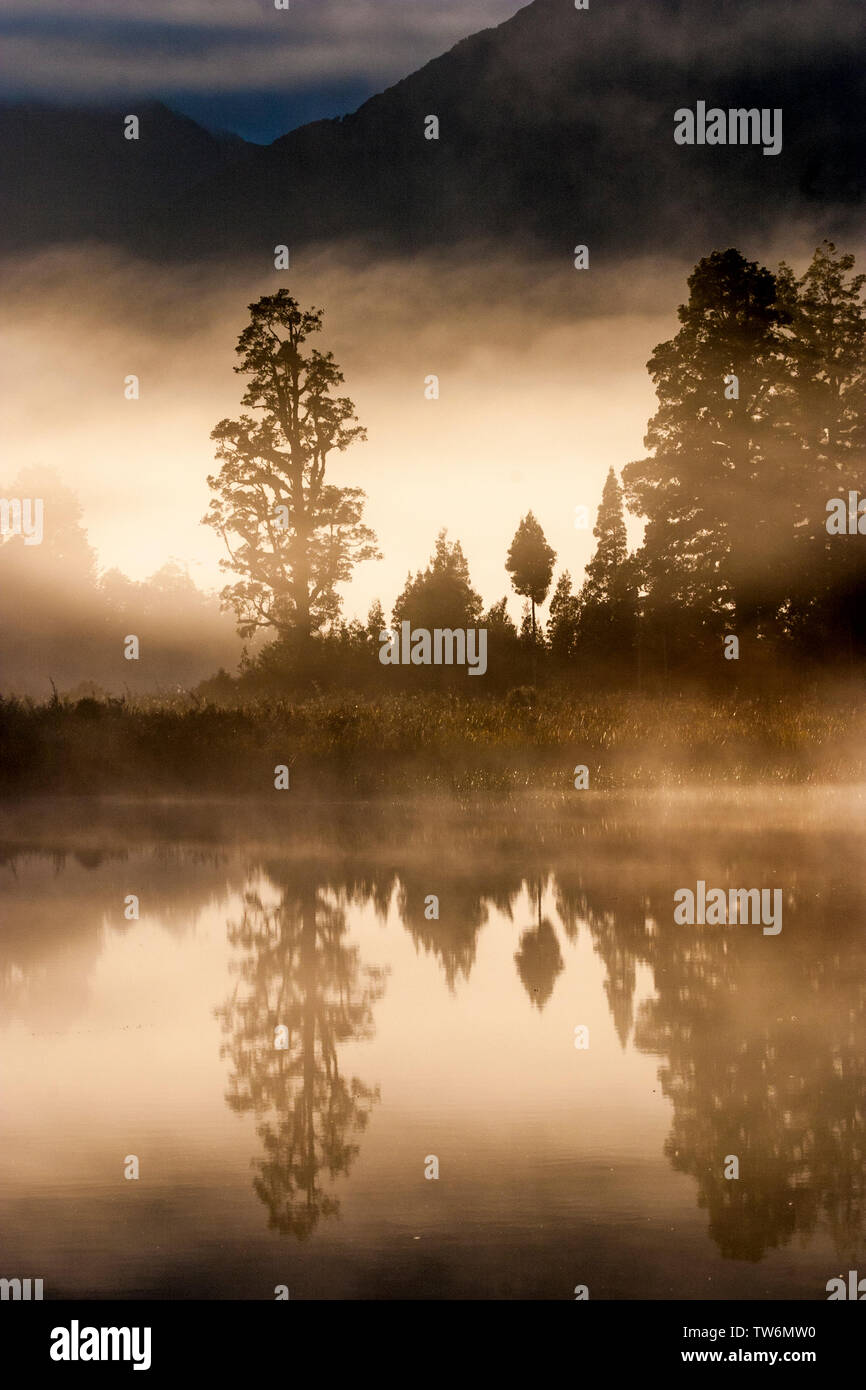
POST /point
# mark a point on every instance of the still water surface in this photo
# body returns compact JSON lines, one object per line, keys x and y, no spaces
{"x":410,"y":1037}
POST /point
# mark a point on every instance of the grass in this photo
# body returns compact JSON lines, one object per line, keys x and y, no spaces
{"x":409,"y":744}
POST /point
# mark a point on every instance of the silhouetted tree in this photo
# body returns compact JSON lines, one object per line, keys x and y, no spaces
{"x":828,"y":410}
{"x":375,"y":624}
{"x":709,"y":490}
{"x":562,"y":626}
{"x":291,"y":536}
{"x":530,"y":563}
{"x":608,"y":598}
{"x":497,"y":620}
{"x":505,"y":657}
{"x":442,"y":595}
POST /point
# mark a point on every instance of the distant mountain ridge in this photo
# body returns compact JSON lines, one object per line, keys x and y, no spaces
{"x":69,"y":174}
{"x":555,"y":128}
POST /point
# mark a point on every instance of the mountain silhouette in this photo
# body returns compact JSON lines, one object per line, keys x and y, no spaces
{"x":70,"y":175}
{"x":555,"y":129}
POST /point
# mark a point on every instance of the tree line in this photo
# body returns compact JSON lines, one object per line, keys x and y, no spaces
{"x":760,"y":422}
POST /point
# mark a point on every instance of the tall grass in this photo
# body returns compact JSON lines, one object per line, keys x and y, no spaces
{"x":409,"y":743}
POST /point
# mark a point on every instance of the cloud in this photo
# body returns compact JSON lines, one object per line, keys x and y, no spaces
{"x":92,"y":49}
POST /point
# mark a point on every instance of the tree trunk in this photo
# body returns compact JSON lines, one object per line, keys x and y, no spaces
{"x":534,"y":648}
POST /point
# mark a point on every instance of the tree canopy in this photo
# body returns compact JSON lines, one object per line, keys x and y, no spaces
{"x":441,"y":595}
{"x":530,"y":563}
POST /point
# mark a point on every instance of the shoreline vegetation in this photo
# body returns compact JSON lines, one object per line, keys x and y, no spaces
{"x":729,"y":648}
{"x":429,"y":744}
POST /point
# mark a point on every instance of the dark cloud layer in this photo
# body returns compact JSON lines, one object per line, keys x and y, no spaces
{"x":238,"y":64}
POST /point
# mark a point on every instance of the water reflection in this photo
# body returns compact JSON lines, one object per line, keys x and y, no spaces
{"x":539,"y":959}
{"x":297,"y":973}
{"x":58,"y":903}
{"x":766,"y":1060}
{"x":760,"y":1040}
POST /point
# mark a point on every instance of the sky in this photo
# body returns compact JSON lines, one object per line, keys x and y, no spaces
{"x":239,"y":65}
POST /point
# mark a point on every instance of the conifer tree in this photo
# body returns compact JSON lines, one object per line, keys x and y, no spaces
{"x":608,"y":598}
{"x":710,"y":487}
{"x":530,"y":564}
{"x":828,"y":411}
{"x":442,"y":595}
{"x":562,"y":627}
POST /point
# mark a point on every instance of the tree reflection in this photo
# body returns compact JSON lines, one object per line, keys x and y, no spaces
{"x":766,"y":1060}
{"x":297,"y":970}
{"x":761,"y":1041}
{"x":539,"y":959}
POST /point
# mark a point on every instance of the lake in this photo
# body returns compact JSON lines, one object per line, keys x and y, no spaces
{"x":317,"y":1008}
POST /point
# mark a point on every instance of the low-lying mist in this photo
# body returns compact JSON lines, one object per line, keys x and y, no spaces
{"x":542,"y":387}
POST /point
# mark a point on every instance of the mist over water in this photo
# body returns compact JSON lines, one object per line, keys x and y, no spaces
{"x":453,"y":1037}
